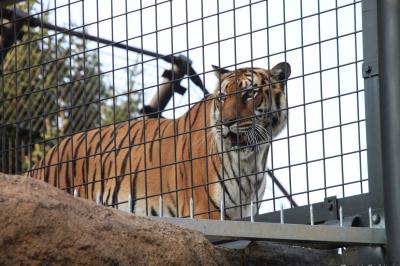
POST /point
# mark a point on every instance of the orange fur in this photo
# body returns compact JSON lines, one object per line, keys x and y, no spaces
{"x":178,"y":159}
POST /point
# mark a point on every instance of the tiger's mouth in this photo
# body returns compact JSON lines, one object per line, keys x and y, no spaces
{"x":237,"y":140}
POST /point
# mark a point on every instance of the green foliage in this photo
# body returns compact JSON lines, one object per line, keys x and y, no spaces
{"x":52,"y":86}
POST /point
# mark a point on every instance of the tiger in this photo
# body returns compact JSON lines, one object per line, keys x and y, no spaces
{"x":208,"y":162}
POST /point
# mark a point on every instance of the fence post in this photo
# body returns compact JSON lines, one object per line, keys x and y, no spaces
{"x":389,"y":65}
{"x":372,"y":103}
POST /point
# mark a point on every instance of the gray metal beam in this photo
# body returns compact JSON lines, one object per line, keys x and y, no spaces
{"x":282,"y":232}
{"x":389,"y":65}
{"x":372,"y":103}
{"x":326,"y":211}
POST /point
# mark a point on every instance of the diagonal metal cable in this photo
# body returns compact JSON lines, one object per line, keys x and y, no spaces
{"x":35,"y":22}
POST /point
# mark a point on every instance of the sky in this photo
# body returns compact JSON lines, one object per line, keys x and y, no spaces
{"x":260,"y":34}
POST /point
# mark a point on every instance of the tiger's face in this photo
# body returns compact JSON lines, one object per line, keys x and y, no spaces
{"x":250,"y":106}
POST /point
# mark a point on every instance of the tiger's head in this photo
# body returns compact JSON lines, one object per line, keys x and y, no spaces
{"x":249,"y":106}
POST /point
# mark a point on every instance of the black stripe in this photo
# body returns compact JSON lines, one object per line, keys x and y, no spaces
{"x":93,"y":181}
{"x":94,"y":136}
{"x":237,"y":178}
{"x":213,"y":203}
{"x":80,"y":140}
{"x":89,"y":152}
{"x":65,"y":146}
{"x":106,"y":157}
{"x":275,"y":120}
{"x":226,"y":215}
{"x":46,"y":169}
{"x":86,"y":174}
{"x":120,"y":177}
{"x":153,"y":211}
{"x":112,"y":139}
{"x":102,"y":179}
{"x":183,"y":149}
{"x":122,"y":125}
{"x":186,"y":120}
{"x":182,"y":172}
{"x":278,"y":101}
{"x":109,"y":168}
{"x":143,"y":131}
{"x":196,"y":114}
{"x":258,"y":183}
{"x":67,"y":180}
{"x":123,"y":166}
{"x":60,"y":159}
{"x":83,"y":174}
{"x":171,"y":211}
{"x":111,"y":151}
{"x":102,"y":139}
{"x":108,"y":196}
{"x":134,"y":184}
{"x":127,"y":134}
{"x":176,"y":124}
{"x":233,"y":171}
{"x":222,"y":183}
{"x":132,"y":141}
{"x":152,"y":142}
{"x":170,"y":194}
{"x":163,"y":130}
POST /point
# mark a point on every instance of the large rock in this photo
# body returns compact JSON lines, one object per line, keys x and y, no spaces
{"x":40,"y":224}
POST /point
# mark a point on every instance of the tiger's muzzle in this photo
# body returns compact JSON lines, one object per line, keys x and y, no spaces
{"x":244,"y":135}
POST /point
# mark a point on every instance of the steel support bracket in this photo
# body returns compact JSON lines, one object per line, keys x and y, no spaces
{"x":370,"y":69}
{"x":378,"y":218}
{"x":331,"y":204}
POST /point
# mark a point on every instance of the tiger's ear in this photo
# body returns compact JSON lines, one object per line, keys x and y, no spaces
{"x":281,"y":71}
{"x":219,"y":71}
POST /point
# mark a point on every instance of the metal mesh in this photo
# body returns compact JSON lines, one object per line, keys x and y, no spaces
{"x":72,"y":66}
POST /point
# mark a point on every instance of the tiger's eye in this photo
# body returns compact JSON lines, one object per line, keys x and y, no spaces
{"x":250,"y":94}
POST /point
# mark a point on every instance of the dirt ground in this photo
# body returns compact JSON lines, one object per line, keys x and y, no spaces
{"x":40,"y":224}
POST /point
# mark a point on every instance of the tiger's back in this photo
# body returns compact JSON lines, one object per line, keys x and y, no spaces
{"x":136,"y":158}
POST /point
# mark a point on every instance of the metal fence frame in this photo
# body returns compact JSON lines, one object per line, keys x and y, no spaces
{"x":373,"y":209}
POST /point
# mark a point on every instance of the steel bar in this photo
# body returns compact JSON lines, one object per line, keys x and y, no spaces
{"x":370,"y":217}
{"x":222,"y":209}
{"x":389,"y":65}
{"x":311,"y":215}
{"x":372,"y":102}
{"x":191,"y":208}
{"x":130,"y":209}
{"x":283,"y":232}
{"x":161,"y":207}
{"x":341,"y":216}
{"x":252,"y":211}
{"x":98,"y":198}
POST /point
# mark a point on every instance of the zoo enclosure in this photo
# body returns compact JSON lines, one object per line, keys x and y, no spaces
{"x":324,"y":142}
